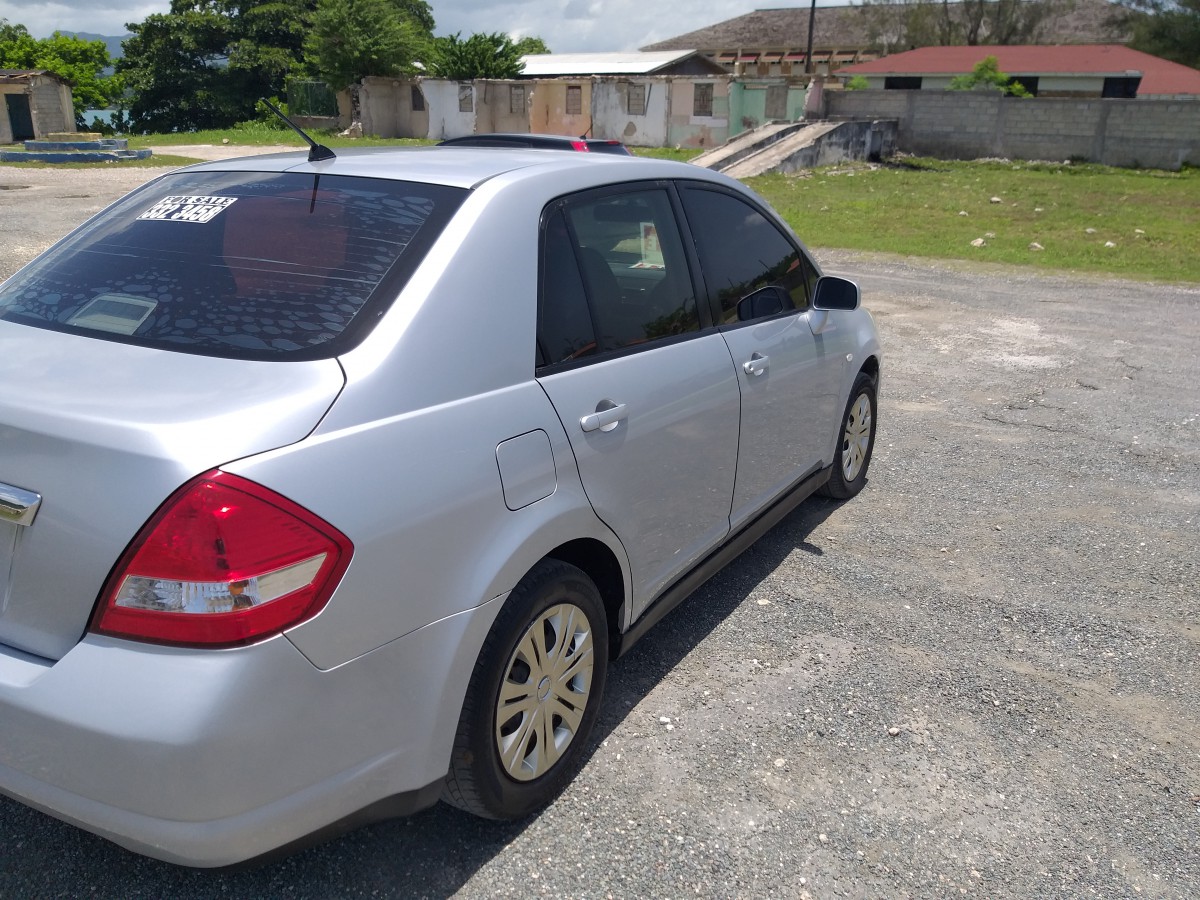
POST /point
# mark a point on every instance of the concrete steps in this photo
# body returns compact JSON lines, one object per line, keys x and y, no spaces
{"x":60,"y":151}
{"x":788,"y":147}
{"x":745,"y":144}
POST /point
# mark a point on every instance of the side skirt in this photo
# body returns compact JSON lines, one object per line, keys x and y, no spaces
{"x":719,"y":558}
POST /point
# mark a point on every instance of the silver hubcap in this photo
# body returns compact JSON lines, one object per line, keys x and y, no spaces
{"x":857,"y":439}
{"x":545,"y":690}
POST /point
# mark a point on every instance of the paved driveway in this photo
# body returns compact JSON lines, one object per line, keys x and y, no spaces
{"x":979,"y":676}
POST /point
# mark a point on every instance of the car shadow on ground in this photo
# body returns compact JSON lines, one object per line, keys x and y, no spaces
{"x":433,"y":853}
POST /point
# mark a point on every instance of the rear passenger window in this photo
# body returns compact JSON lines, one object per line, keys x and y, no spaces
{"x":564,"y":322}
{"x":614,"y":276}
{"x":750,"y":267}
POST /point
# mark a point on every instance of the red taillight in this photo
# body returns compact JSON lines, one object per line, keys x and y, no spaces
{"x":580,"y":146}
{"x":223,"y":562}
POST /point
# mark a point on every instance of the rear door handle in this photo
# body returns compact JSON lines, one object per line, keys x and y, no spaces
{"x":756,"y":365}
{"x":18,"y":506}
{"x":606,"y":417}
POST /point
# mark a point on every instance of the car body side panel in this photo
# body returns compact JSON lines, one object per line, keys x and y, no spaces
{"x":662,"y":477}
{"x":781,"y":438}
{"x":420,"y":497}
{"x":852,"y":335}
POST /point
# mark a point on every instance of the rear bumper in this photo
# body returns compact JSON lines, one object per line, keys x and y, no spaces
{"x":212,"y":758}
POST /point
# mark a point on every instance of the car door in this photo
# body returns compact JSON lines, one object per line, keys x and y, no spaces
{"x":640,"y":378}
{"x":758,"y":282}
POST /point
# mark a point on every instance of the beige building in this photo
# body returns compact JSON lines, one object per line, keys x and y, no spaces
{"x":36,"y":103}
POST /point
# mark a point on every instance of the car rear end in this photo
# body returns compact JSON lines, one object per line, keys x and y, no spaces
{"x":148,"y":689}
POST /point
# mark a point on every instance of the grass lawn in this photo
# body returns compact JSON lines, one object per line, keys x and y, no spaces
{"x":256,"y":134}
{"x":157,"y":161}
{"x":1072,"y":211}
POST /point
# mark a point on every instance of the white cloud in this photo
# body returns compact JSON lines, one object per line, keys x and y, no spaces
{"x":565,"y":25}
{"x":103,"y":17}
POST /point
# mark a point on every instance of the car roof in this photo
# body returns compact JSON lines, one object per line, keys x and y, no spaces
{"x":455,"y":166}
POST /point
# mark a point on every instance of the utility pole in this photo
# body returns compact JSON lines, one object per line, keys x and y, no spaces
{"x":812,"y":16}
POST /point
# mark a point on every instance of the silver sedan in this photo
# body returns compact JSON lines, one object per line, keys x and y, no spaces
{"x":330,"y":487}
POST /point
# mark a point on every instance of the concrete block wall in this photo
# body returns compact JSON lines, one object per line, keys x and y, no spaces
{"x":1161,"y":134}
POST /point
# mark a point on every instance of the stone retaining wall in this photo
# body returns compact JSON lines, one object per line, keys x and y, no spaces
{"x":1158,"y":134}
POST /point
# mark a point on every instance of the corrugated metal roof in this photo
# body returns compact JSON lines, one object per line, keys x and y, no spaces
{"x":1159,"y":76}
{"x":631,"y":62}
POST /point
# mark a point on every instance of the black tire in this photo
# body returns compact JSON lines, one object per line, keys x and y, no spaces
{"x":856,"y":441}
{"x":553,"y":625}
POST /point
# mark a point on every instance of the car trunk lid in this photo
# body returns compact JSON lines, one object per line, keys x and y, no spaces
{"x":102,"y":433}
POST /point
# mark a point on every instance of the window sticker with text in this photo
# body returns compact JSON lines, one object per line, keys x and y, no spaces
{"x":188,"y":209}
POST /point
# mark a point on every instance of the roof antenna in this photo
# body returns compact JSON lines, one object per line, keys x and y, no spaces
{"x":317,"y":152}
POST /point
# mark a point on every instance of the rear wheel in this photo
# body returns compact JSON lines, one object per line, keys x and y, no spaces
{"x":533,"y":696}
{"x":858,"y":440}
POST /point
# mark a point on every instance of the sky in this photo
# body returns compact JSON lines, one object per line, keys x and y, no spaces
{"x":565,"y":25}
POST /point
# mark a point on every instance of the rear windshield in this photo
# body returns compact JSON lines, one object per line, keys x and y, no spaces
{"x":250,"y":265}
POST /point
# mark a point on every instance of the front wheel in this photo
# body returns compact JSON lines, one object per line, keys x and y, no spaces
{"x":533,"y":696}
{"x":858,"y":440}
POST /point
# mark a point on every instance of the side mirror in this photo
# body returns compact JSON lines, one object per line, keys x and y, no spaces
{"x":762,"y":303}
{"x":836,"y":293}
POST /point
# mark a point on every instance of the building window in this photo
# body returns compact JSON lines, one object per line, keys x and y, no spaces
{"x":516,"y":99}
{"x":1029,"y":82}
{"x":635,"y":100}
{"x":574,"y":100}
{"x":466,"y":98}
{"x":902,"y":83}
{"x":776,"y":102}
{"x":418,"y":99}
{"x":1122,"y":88}
{"x":702,"y":96}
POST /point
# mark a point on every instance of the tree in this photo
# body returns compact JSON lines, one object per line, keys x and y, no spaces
{"x":353,"y":39}
{"x":987,"y":75}
{"x":531,"y":46}
{"x":896,"y":25}
{"x":1166,"y":28}
{"x":81,"y":63}
{"x":205,"y":63}
{"x":479,"y":56}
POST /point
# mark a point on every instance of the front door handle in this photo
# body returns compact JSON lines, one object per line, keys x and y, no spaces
{"x":756,"y":365}
{"x":606,"y":417}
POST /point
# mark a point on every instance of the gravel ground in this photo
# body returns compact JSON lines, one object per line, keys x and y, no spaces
{"x":979,"y":677}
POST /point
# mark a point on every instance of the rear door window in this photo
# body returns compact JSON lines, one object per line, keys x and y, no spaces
{"x":614,"y":276}
{"x":251,"y":265}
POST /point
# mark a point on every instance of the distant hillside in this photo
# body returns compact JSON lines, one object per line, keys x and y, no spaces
{"x":112,"y":42}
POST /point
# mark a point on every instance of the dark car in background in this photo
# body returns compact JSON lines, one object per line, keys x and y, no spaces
{"x":540,"y":142}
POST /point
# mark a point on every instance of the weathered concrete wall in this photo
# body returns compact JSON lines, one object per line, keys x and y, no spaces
{"x":53,"y":109}
{"x":497,"y":109}
{"x":1160,"y":134}
{"x":388,"y":108}
{"x":445,"y":118}
{"x":684,"y":129}
{"x":611,"y":118}
{"x":50,"y":107}
{"x":548,"y":107}
{"x":6,"y":135}
{"x":668,"y":118}
{"x":751,"y":102}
